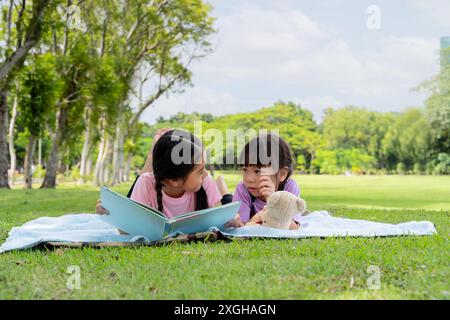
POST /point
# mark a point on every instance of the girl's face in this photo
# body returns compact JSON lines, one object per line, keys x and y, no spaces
{"x":252,"y":174}
{"x":191,"y":183}
{"x":194,"y":180}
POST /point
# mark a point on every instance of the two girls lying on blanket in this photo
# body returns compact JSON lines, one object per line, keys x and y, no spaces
{"x":176,"y":188}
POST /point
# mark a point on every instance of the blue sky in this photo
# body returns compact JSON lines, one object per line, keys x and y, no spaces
{"x":318,"y":54}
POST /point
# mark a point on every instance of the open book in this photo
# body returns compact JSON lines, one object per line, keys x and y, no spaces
{"x":137,"y":219}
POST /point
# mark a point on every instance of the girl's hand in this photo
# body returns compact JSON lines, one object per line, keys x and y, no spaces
{"x":99,"y":209}
{"x":265,"y":187}
{"x":235,"y":223}
{"x":294,"y":225}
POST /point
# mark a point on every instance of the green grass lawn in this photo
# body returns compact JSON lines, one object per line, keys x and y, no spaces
{"x":332,"y":268}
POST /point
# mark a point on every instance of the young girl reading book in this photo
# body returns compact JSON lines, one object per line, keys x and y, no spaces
{"x":261,"y":178}
{"x":178,"y":182}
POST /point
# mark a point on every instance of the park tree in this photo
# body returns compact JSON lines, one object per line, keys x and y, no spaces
{"x":438,"y":106}
{"x":74,"y":64}
{"x":438,"y":112}
{"x":379,"y":126}
{"x":408,"y":140}
{"x":438,"y":116}
{"x":174,"y":36}
{"x":348,"y":128}
{"x":39,"y":90}
{"x":125,"y":38}
{"x":339,"y":161}
{"x":101,"y":113}
{"x":100,"y":62}
{"x":352,"y":128}
{"x":20,"y":31}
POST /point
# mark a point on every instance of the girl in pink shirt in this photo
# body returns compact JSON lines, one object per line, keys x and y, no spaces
{"x":179,"y":182}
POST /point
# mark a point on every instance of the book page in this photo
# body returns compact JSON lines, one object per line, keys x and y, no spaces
{"x":200,"y":212}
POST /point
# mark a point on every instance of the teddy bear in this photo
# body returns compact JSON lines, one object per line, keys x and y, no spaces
{"x":281,"y":207}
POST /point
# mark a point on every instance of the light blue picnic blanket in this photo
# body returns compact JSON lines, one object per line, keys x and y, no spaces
{"x":89,"y":228}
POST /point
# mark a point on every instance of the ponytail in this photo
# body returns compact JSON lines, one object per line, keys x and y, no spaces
{"x":201,"y":199}
{"x":158,"y":188}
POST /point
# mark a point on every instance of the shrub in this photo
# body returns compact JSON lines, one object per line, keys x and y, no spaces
{"x":75,"y":174}
{"x":429,"y":168}
{"x":443,"y":164}
{"x":300,"y":163}
{"x":326,"y":162}
{"x":418,"y":169}
{"x":401,"y":168}
{"x":39,"y":172}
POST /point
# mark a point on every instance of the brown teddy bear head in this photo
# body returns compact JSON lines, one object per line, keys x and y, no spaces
{"x":281,"y":207}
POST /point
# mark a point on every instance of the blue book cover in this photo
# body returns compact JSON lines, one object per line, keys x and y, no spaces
{"x":137,"y":219}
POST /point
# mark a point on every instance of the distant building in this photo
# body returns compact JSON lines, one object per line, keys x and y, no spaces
{"x":445,"y":51}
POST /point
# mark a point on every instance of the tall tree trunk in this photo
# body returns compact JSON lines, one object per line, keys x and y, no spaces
{"x":52,"y":165}
{"x":12,"y":150}
{"x":106,"y":160}
{"x":53,"y":160}
{"x":98,"y":163}
{"x":4,"y":161}
{"x":86,"y":146}
{"x":62,"y":167}
{"x":40,"y":153}
{"x":121,"y":161}
{"x":128,"y":166}
{"x":89,"y":166}
{"x":28,"y":174}
{"x":116,"y":156}
{"x":98,"y":174}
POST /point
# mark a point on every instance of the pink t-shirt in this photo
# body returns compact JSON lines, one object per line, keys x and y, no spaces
{"x":144,"y":192}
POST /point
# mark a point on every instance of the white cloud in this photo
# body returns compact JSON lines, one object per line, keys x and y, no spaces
{"x":255,"y":44}
{"x":196,"y":99}
{"x":252,"y":40}
{"x":438,"y":9}
{"x":262,"y":56}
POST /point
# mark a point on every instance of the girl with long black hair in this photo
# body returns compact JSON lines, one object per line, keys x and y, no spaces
{"x":179,"y":182}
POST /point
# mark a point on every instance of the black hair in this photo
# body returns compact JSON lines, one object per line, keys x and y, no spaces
{"x":169,"y":164}
{"x":268,"y":149}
